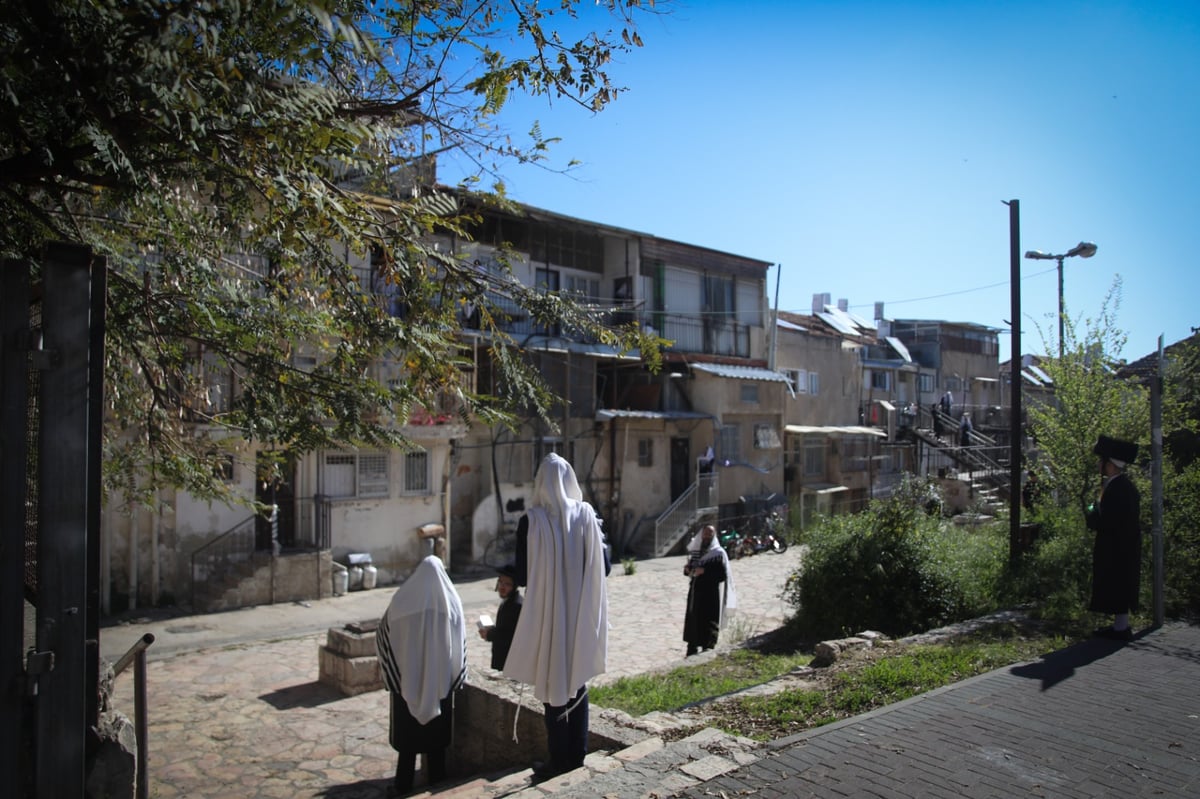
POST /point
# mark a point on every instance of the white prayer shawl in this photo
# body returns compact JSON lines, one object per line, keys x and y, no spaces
{"x":716,"y":552}
{"x":561,"y":640}
{"x":422,"y":640}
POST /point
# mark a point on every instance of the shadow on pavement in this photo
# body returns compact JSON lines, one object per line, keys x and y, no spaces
{"x":309,"y":694}
{"x":363,"y":789}
{"x":1061,"y":665}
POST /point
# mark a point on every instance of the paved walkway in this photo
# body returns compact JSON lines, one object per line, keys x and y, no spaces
{"x":235,"y":711}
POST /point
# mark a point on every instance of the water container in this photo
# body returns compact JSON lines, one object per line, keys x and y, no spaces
{"x":356,"y":578}
{"x":370,"y":575}
{"x":341,"y":581}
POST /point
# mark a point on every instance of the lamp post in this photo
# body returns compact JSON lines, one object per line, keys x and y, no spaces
{"x":1084,"y":249}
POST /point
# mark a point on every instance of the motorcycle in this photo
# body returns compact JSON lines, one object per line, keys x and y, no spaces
{"x":731,"y":542}
{"x":773,"y":540}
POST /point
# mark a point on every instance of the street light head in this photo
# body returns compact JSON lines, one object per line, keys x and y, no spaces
{"x":1084,"y":249}
{"x":1038,"y":255}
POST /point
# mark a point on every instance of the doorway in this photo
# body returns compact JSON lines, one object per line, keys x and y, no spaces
{"x":274,"y":485}
{"x":681,"y":456}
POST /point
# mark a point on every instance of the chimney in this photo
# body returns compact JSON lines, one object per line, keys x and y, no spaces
{"x":819,"y":302}
{"x":843,"y":305}
{"x":878,"y":311}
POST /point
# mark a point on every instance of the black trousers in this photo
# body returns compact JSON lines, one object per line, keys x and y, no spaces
{"x":567,"y":732}
{"x":406,"y":768}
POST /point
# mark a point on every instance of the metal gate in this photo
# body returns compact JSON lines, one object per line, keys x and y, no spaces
{"x":51,"y":379}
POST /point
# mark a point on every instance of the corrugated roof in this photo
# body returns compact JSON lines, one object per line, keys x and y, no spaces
{"x":899,"y":347}
{"x":739,"y":372}
{"x":829,"y":430}
{"x":607,"y":414}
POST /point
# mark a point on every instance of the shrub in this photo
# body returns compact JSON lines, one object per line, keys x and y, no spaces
{"x":895,"y":569}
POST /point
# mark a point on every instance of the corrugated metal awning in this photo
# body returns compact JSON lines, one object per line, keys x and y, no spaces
{"x":833,"y":430}
{"x":737,"y":372}
{"x":608,"y":414}
{"x":822,"y":488}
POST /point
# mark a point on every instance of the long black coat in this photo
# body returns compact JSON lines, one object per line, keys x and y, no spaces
{"x":702,"y":623}
{"x":1117,"y":552}
{"x":501,"y":635}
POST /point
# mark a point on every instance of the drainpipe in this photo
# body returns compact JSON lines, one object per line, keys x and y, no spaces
{"x":774,"y":315}
{"x":155,"y":531}
{"x":133,"y":556}
{"x":446,"y":474}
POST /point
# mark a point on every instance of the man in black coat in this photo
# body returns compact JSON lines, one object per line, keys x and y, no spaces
{"x":1117,"y":552}
{"x":500,"y":634}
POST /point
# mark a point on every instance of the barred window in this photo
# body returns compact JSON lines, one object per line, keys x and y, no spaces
{"x":731,"y":443}
{"x":355,"y":474}
{"x":416,"y":472}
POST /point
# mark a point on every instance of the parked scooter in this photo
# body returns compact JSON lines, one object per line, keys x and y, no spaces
{"x":731,"y":542}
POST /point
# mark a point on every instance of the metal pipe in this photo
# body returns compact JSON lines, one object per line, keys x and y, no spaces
{"x":1014,"y":456}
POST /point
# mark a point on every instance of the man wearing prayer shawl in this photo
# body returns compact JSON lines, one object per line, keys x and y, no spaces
{"x":422,"y":654}
{"x":561,"y":640}
{"x":708,"y":566}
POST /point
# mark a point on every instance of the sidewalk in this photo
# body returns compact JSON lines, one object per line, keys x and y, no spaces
{"x":1098,"y":719}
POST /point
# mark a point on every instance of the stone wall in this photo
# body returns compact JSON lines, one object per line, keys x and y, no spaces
{"x":486,"y":717}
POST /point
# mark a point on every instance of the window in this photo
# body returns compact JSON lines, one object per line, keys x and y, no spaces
{"x":953,"y":384}
{"x":766,"y":437}
{"x":416,"y":473}
{"x":855,"y":453}
{"x":879,"y":379}
{"x":584,"y":289}
{"x":814,"y":456}
{"x":730,"y":444}
{"x":645,"y":452}
{"x":750,"y":393}
{"x":925,"y":383}
{"x":223,"y":467}
{"x":361,"y":474}
{"x":813,"y":383}
{"x":717,"y":298}
{"x":798,"y":379}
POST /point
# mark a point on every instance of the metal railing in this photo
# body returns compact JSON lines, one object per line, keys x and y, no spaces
{"x":235,"y":553}
{"x":672,"y":522}
{"x":233,"y":548}
{"x":141,"y":729}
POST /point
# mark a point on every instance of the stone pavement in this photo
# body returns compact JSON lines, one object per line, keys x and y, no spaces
{"x":235,"y":711}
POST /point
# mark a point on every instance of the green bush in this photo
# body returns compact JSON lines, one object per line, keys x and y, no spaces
{"x":1181,"y":545}
{"x":1056,"y":575}
{"x":895,"y":569}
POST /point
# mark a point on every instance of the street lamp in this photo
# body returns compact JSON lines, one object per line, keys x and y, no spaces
{"x":1084,"y":249}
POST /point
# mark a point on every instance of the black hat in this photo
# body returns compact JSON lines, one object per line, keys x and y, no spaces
{"x":1115,"y":450}
{"x":508,"y":570}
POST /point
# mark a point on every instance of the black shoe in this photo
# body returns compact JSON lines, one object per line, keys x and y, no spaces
{"x":543,"y":771}
{"x":1113,"y":634}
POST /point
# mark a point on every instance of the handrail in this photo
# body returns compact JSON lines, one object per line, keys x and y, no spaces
{"x":203,"y":549}
{"x":684,"y":506}
{"x":141,"y":727}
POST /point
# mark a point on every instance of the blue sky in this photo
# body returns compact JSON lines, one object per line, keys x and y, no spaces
{"x":868,"y":148}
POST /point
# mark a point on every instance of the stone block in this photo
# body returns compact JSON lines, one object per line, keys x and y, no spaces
{"x":349,"y":675}
{"x":351,"y":642}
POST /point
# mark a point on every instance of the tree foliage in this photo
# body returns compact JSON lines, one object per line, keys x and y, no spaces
{"x":232,"y":160}
{"x":1089,"y":400}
